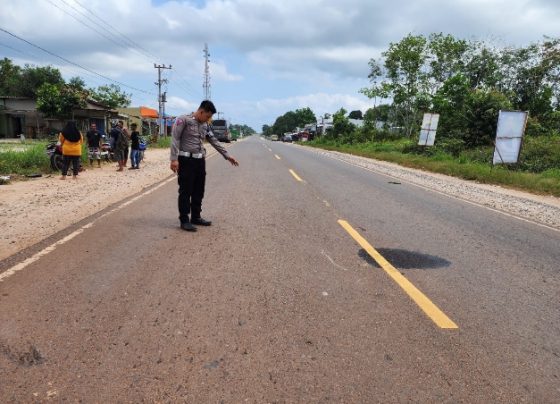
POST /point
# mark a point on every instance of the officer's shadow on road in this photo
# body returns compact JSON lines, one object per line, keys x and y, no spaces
{"x":402,"y":259}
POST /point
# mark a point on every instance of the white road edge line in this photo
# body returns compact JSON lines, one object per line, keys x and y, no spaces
{"x":22,"y":265}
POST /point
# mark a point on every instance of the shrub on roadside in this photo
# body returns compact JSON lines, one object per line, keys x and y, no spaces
{"x":32,"y":160}
{"x":163,"y":142}
{"x":540,"y":154}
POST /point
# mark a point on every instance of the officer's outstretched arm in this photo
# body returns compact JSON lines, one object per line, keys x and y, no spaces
{"x":233,"y":161}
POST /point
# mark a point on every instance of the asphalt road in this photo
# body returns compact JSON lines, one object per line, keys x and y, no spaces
{"x":326,"y":283}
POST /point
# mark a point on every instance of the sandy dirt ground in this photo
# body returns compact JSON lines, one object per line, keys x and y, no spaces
{"x":33,"y":210}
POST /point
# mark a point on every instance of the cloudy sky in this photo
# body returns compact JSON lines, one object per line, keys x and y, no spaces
{"x":267,"y":57}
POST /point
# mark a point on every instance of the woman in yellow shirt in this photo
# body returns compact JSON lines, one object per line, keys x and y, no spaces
{"x":71,"y":140}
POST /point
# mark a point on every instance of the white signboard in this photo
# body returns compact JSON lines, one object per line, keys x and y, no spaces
{"x":511,"y":127}
{"x":428,"y":129}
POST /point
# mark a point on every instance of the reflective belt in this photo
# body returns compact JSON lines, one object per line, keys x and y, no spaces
{"x":189,"y":154}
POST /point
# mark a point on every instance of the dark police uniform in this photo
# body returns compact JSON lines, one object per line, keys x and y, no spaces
{"x":186,"y":147}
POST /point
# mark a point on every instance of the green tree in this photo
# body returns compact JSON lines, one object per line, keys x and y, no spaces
{"x":242,"y":129}
{"x":10,"y":78}
{"x":406,"y":80}
{"x":341,"y":124}
{"x":266,"y":130}
{"x":482,"y":109}
{"x":48,"y":96}
{"x":483,"y":66}
{"x":292,"y":120}
{"x":77,"y":83}
{"x":305,"y":116}
{"x":59,"y":101}
{"x":530,"y":90}
{"x":111,"y":96}
{"x":355,"y":115}
{"x":446,"y":59}
{"x":33,"y":77}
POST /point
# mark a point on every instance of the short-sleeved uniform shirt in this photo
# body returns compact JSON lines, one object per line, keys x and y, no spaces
{"x":188,"y":135}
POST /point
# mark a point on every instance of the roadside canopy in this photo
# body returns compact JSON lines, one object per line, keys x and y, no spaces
{"x":146,"y":112}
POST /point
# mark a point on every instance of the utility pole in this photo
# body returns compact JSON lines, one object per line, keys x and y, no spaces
{"x":163,"y":101}
{"x":160,"y":100}
{"x":206,"y":84}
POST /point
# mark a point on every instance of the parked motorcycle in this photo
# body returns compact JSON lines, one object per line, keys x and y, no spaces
{"x":54,"y":151}
{"x":106,"y":151}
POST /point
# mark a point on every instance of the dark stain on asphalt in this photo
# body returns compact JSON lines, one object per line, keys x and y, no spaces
{"x":27,"y":358}
{"x":404,"y":259}
{"x":213,"y":364}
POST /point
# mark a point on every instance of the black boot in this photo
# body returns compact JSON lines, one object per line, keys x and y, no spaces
{"x":187,"y":226}
{"x":200,"y":221}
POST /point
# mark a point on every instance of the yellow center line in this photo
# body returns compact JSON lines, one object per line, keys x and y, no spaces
{"x":277,"y":157}
{"x":295,"y":175}
{"x":431,"y":310}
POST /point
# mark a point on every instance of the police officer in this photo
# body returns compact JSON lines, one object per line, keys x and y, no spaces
{"x":188,"y":161}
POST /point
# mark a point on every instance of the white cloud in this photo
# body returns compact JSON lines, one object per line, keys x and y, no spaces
{"x":180,"y":105}
{"x":270,"y":56}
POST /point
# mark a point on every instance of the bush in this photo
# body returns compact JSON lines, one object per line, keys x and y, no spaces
{"x":453,"y":146}
{"x":163,"y":142}
{"x":29,"y":161}
{"x":482,"y":154}
{"x":482,"y":116}
{"x":540,"y":154}
{"x":535,"y":128}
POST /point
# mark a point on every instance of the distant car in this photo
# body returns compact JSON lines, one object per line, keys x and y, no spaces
{"x":220,"y":128}
{"x":287,"y":138}
{"x":274,"y":137}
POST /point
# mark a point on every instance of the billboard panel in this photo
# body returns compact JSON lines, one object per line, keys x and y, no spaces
{"x":511,"y":127}
{"x":428,"y":130}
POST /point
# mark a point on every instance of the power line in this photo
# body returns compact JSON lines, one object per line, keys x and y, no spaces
{"x":189,"y":89}
{"x":66,"y":65}
{"x":86,"y":24}
{"x":75,"y":64}
{"x":135,"y":44}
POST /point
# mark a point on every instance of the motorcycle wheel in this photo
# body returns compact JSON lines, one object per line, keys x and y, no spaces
{"x":56,"y":162}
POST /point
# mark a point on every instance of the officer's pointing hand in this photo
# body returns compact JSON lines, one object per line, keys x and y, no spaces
{"x":233,"y":161}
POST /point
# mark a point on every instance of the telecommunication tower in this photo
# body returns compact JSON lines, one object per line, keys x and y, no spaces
{"x":206,"y":84}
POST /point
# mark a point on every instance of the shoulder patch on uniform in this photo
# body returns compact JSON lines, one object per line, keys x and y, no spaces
{"x":179,"y":121}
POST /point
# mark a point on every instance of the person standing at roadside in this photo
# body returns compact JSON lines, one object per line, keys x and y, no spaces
{"x":134,"y":148}
{"x":188,"y":162}
{"x":125,"y":131}
{"x":121,"y":146}
{"x":94,"y":142}
{"x":71,"y":140}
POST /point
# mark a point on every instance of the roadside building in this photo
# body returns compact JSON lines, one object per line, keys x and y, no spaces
{"x":145,"y":118}
{"x":19,"y":116}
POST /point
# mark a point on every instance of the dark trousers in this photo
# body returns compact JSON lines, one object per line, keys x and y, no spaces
{"x":66,"y":164}
{"x":192,"y":177}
